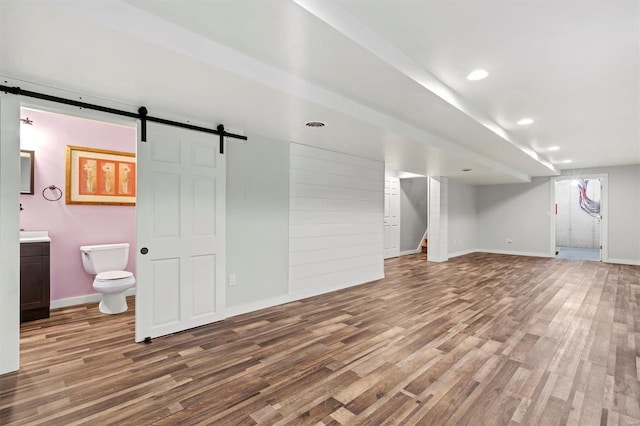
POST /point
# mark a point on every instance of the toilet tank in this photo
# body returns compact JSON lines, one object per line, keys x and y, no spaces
{"x":105,"y":257}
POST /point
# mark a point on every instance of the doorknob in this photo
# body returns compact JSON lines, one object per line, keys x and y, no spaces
{"x":144,"y":250}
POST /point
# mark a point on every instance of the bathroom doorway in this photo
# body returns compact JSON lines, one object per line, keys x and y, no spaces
{"x":52,"y":133}
{"x":578,"y":218}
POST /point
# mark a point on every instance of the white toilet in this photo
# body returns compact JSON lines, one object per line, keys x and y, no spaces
{"x":107,"y":263}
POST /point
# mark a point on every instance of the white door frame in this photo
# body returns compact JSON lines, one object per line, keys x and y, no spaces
{"x":604,"y":211}
{"x":9,"y":233}
{"x":10,"y":261}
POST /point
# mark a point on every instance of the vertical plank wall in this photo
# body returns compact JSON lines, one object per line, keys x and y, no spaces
{"x":335,"y":221}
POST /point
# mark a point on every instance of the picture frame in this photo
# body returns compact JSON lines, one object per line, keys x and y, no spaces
{"x":100,"y":176}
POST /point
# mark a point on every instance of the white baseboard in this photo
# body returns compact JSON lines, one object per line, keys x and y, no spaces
{"x":81,"y":300}
{"x":256,"y":306}
{"x":623,"y":261}
{"x":287,"y":298}
{"x":462,"y":253}
{"x":514,"y":253}
{"x":303,"y":294}
{"x":414,"y":251}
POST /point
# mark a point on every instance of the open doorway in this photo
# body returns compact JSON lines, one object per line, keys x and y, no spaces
{"x":64,"y":222}
{"x":405,"y":213}
{"x":578,"y":228}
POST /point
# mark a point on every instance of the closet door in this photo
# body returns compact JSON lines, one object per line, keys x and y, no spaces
{"x":391,"y":217}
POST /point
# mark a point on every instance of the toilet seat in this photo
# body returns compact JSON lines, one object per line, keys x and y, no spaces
{"x":113,"y":281}
{"x":113,"y":275}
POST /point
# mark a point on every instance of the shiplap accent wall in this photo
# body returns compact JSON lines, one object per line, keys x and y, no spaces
{"x":335,"y":220}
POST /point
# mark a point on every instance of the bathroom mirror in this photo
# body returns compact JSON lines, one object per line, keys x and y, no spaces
{"x":26,"y":172}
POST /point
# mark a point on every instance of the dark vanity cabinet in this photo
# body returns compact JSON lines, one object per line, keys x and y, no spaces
{"x":34,"y":281}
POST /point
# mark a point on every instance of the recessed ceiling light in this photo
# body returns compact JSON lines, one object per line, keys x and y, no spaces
{"x":553,"y":148}
{"x":478,"y":74}
{"x":567,"y":161}
{"x":314,"y":124}
{"x":525,"y":121}
{"x":466,"y":170}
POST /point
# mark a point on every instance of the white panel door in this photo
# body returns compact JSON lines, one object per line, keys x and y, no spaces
{"x":181,"y":231}
{"x":391,"y":217}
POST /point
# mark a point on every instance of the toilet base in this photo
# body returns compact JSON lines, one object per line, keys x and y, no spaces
{"x":113,"y":303}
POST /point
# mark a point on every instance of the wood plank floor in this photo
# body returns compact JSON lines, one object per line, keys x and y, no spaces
{"x":481,"y":339}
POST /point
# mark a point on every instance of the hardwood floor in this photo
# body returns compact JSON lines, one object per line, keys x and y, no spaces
{"x":481,"y":339}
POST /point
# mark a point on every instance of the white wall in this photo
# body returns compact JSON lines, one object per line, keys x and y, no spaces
{"x":624,"y":211}
{"x":519,"y":212}
{"x":257,"y":221}
{"x":462,"y":219}
{"x":9,"y":233}
{"x":336,"y":227}
{"x":438,"y":250}
{"x":413,"y":212}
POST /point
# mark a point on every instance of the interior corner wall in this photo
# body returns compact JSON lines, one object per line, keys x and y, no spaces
{"x":413,"y":212}
{"x":516,"y":212}
{"x":462,"y":219}
{"x":624,"y":208}
{"x":336,"y":221}
{"x":257,"y":222}
{"x":9,"y":234}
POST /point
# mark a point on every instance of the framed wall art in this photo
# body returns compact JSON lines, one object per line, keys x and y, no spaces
{"x":99,"y":176}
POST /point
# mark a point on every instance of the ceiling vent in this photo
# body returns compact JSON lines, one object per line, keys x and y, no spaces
{"x":315,"y":124}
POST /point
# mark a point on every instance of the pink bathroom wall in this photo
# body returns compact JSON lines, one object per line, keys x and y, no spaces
{"x":71,"y":225}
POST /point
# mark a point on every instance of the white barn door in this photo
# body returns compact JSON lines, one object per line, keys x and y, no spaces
{"x":391,"y":217}
{"x":180,"y":231}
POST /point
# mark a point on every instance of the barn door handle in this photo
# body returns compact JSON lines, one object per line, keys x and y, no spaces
{"x":144,"y":250}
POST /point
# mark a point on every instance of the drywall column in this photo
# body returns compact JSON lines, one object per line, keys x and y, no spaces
{"x":9,"y":233}
{"x":438,"y":220}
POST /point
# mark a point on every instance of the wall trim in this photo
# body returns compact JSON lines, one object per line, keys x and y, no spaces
{"x":515,"y":253}
{"x":304,"y":294}
{"x":288,"y":298}
{"x":256,"y":306}
{"x":462,"y":253}
{"x":414,"y":251}
{"x":623,"y":261}
{"x":82,"y":300}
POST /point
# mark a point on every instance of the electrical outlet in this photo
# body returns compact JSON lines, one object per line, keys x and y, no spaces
{"x":232,"y":279}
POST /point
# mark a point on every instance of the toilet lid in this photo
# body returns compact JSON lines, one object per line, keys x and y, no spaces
{"x":114,"y":275}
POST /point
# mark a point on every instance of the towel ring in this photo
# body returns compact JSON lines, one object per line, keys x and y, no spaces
{"x":52,"y":188}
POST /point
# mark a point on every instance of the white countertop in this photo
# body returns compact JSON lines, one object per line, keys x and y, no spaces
{"x":34,"y":237}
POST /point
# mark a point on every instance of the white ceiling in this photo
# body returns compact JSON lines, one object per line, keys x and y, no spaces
{"x":388,"y":77}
